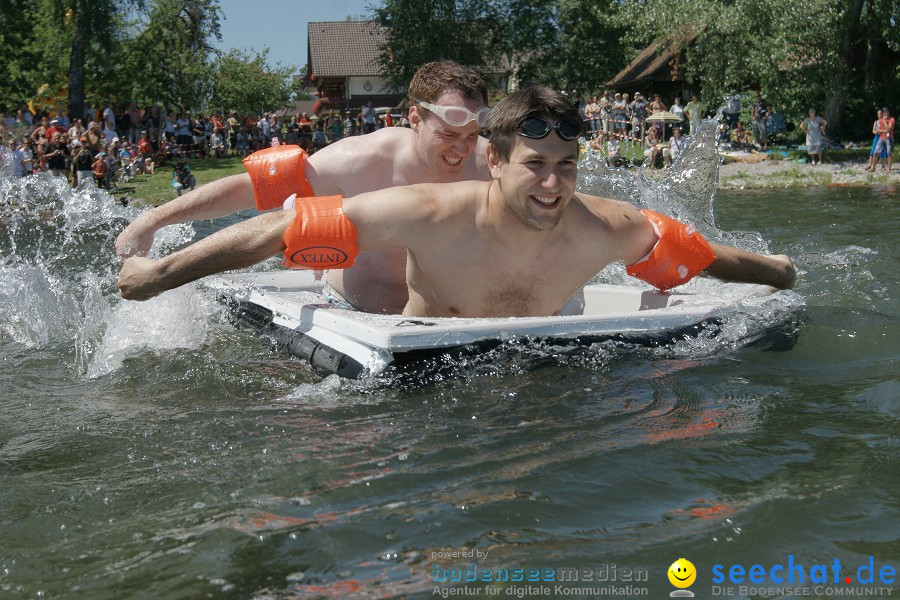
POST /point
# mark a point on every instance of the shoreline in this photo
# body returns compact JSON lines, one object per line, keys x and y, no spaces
{"x":154,"y":190}
{"x":734,"y":175}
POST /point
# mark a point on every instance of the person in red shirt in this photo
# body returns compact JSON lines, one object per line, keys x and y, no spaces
{"x":101,"y":170}
{"x":145,"y":153}
{"x":305,"y":125}
{"x":54,"y":128}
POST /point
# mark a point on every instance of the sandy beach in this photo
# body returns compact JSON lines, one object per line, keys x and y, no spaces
{"x":787,"y":173}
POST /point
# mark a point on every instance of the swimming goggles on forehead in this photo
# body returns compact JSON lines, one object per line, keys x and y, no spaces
{"x":457,"y":116}
{"x":538,"y":128}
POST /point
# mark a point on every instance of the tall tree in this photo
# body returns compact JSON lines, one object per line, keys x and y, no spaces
{"x":87,"y":22}
{"x":172,"y":53}
{"x":580,"y":47}
{"x":417,"y":32}
{"x":18,"y":77}
{"x":798,"y":54}
{"x":246,"y":83}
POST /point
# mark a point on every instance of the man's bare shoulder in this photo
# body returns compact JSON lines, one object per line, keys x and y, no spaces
{"x":451,"y":198}
{"x":478,"y":167}
{"x":620,"y":227}
{"x":379,"y":145}
{"x":359,"y":163}
{"x":617,"y":215}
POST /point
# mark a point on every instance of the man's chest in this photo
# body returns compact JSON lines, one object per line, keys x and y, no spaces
{"x":470,"y":277}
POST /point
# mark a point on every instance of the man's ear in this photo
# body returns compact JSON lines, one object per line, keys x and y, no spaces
{"x":493,"y":161}
{"x":415,"y":118}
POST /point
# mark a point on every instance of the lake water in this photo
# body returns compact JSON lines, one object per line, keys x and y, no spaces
{"x":151,"y":450}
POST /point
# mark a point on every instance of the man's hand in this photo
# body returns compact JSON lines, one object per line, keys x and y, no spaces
{"x":785,"y":271}
{"x":136,"y":239}
{"x":138,"y":279}
{"x":235,"y":247}
{"x":211,"y":201}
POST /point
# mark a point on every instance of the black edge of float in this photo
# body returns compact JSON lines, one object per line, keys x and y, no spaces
{"x":320,"y":356}
{"x":421,"y":363}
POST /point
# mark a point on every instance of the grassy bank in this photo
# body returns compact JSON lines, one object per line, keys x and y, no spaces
{"x":156,"y":189}
{"x":842,"y":167}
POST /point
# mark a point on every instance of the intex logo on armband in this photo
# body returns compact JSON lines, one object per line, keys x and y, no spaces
{"x":319,"y":257}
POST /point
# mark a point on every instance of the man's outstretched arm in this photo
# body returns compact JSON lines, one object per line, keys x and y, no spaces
{"x":392,"y":218}
{"x":734,"y":264}
{"x":234,"y":247}
{"x":213,"y":200}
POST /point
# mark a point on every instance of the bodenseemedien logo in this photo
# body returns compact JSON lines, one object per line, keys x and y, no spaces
{"x":682,"y":575}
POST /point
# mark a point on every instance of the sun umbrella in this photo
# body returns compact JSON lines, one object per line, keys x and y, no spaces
{"x":663,"y":116}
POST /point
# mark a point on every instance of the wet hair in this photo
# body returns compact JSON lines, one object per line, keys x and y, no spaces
{"x":435,"y":78}
{"x":533,"y":101}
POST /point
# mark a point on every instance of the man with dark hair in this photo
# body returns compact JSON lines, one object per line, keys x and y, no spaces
{"x":446,"y":119}
{"x":519,"y":245}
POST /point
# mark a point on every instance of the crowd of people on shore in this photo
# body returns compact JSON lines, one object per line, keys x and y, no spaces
{"x":615,"y":121}
{"x":113,"y":145}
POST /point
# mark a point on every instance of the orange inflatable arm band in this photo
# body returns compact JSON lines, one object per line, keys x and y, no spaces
{"x":276,"y":173}
{"x":320,"y":236}
{"x":679,"y":254}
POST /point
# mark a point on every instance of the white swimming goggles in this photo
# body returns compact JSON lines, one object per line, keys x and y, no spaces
{"x":457,"y":116}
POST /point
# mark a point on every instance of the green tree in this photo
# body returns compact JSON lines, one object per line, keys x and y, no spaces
{"x":246,"y":83}
{"x":19,"y":77}
{"x":568,"y":44}
{"x":579,"y":47}
{"x":86,"y":25}
{"x":465,"y":31}
{"x":838,"y":56}
{"x":169,"y":58}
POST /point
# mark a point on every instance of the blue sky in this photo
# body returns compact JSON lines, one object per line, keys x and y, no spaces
{"x":280,"y":25}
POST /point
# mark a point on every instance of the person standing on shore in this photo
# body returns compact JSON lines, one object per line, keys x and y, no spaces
{"x":592,"y":116}
{"x":760,"y":114}
{"x":694,"y":112}
{"x":638,"y":114}
{"x":889,"y":123}
{"x":881,"y":154}
{"x":884,"y":140}
{"x":814,"y":126}
{"x":732,"y":111}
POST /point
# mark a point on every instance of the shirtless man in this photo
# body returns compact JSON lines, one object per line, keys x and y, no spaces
{"x":433,"y":150}
{"x":519,"y":245}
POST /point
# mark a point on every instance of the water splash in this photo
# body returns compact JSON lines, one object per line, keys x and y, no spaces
{"x":114,"y":332}
{"x":58,"y":270}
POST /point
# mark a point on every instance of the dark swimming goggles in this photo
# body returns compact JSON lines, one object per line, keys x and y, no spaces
{"x":538,"y":128}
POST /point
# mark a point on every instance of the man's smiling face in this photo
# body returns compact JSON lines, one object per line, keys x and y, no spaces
{"x":442,"y":147}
